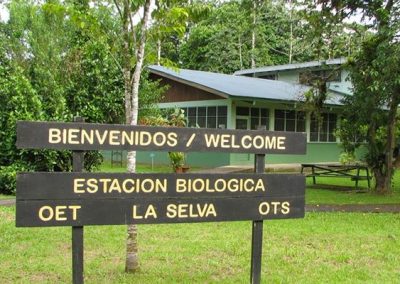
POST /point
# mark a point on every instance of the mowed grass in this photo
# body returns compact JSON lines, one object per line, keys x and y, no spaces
{"x":321,"y":248}
{"x":342,"y":191}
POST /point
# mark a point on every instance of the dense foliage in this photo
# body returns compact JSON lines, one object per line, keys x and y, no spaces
{"x":371,"y":113}
{"x":61,"y":59}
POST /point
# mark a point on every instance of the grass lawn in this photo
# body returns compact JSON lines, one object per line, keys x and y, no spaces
{"x":319,"y":194}
{"x":322,"y":248}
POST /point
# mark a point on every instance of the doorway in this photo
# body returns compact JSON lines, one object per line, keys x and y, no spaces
{"x":242,"y":122}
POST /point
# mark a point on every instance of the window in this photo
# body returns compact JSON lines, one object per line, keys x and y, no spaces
{"x":206,"y":117}
{"x":325,"y":129}
{"x":258,"y":116}
{"x":268,"y":77}
{"x":309,"y":77}
{"x":290,"y":120}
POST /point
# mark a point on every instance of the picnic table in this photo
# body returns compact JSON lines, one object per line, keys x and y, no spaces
{"x":355,"y":172}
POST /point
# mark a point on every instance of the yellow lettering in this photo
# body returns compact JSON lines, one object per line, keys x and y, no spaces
{"x":114,"y":137}
{"x":171,"y":211}
{"x":87,"y":137}
{"x":225,"y":140}
{"x":212,"y":140}
{"x":60,"y":211}
{"x":270,"y":142}
{"x":145,"y":138}
{"x":180,"y":185}
{"x":248,"y":138}
{"x":135,"y":214}
{"x":159,"y":139}
{"x":92,"y":186}
{"x":46,"y":210}
{"x":281,"y":143}
{"x":172,"y":139}
{"x":54,"y":135}
{"x":264,"y":208}
{"x":114,"y":186}
{"x":260,"y":185}
{"x":73,"y":136}
{"x":74,"y":208}
{"x":150,"y":212}
{"x":78,"y":183}
{"x":285,"y":208}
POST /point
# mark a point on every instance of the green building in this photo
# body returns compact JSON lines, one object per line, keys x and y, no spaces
{"x":269,"y":97}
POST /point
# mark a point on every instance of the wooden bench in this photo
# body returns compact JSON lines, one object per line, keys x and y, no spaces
{"x":337,"y":170}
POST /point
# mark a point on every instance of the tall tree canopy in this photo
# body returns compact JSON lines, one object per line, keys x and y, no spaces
{"x":371,"y":112}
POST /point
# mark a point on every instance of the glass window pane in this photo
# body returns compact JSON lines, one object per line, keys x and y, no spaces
{"x":192,"y":111}
{"x":222,"y":111}
{"x":242,"y":111}
{"x":323,"y":137}
{"x":301,"y":125}
{"x":264,"y":121}
{"x":290,"y":125}
{"x":279,"y":113}
{"x":255,"y":112}
{"x":201,"y":111}
{"x":254,"y":123}
{"x":201,"y":121}
{"x":332,"y":137}
{"x":222,"y":122}
{"x":192,"y":121}
{"x":279,"y":124}
{"x":264,"y":112}
{"x":211,"y":122}
{"x":211,"y":111}
{"x":314,"y":136}
{"x":290,"y":114}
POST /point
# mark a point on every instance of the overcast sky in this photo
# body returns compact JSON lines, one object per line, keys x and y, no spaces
{"x":3,"y":12}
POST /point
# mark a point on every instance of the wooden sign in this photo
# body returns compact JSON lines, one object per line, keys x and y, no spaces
{"x":87,"y":136}
{"x":75,"y":199}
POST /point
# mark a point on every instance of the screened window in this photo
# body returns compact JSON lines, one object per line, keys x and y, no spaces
{"x":259,"y":117}
{"x":290,"y":120}
{"x":323,"y":131}
{"x":206,"y":117}
{"x":310,"y":77}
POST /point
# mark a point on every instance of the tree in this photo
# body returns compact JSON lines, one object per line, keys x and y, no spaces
{"x":133,"y":48}
{"x":371,"y":112}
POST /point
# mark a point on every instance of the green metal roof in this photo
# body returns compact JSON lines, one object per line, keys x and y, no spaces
{"x":231,"y":86}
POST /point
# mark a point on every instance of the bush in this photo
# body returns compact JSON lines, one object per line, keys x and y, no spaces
{"x":8,"y":176}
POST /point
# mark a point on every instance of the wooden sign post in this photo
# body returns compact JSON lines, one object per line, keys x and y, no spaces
{"x":77,"y":199}
{"x":77,"y":231}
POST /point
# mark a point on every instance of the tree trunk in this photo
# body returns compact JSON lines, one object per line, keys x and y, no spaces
{"x":240,"y":52}
{"x":158,"y":52}
{"x":132,"y":260}
{"x":253,"y":36}
{"x":391,"y":143}
{"x":291,"y":33}
{"x":381,"y":181}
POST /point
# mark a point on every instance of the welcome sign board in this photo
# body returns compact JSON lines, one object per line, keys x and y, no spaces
{"x":89,"y":136}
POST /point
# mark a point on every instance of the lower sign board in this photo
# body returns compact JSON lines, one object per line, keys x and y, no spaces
{"x":78,"y":199}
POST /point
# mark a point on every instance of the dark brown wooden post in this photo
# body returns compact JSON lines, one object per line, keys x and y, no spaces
{"x":257,"y":229}
{"x":77,"y":231}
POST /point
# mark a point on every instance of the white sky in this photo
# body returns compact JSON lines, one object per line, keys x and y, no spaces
{"x":3,"y":11}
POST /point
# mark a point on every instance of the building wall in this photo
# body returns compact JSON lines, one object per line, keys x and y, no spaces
{"x":179,"y":92}
{"x":181,"y":95}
